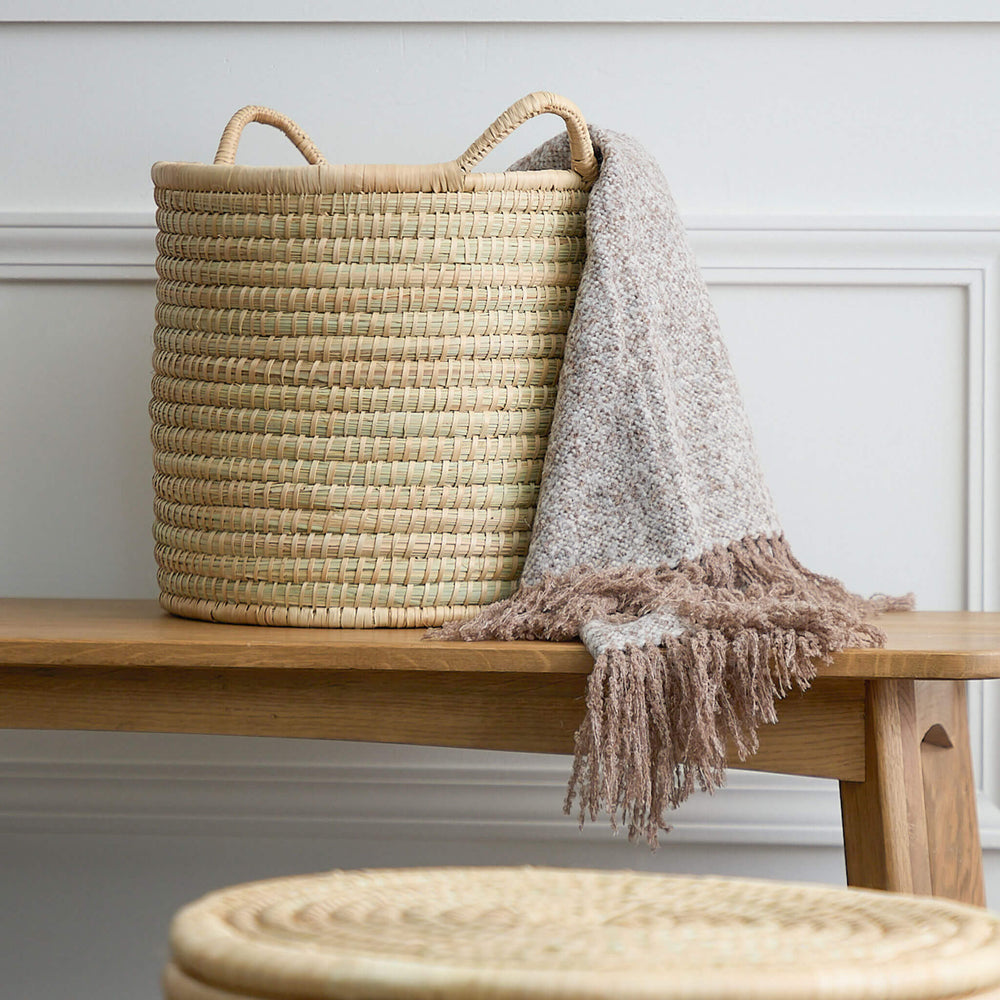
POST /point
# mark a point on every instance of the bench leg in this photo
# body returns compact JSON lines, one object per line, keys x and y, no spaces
{"x":949,"y":791}
{"x":911,"y":825}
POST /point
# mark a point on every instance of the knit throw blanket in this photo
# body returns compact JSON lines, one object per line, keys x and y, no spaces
{"x":655,"y":539}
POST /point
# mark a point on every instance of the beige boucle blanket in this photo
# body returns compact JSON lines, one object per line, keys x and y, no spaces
{"x":655,"y":539}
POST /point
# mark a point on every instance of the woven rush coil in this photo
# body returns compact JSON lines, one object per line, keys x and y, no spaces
{"x":355,"y":370}
{"x":557,"y":934}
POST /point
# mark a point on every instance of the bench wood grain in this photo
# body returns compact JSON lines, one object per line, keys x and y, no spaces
{"x":889,"y":724}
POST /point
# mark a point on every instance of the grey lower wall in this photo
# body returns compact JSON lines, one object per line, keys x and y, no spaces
{"x":87,"y":916}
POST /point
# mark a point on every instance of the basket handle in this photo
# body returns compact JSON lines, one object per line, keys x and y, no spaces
{"x":581,"y":149}
{"x":226,"y":154}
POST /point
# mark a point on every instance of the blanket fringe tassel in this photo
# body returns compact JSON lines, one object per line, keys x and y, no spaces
{"x":660,"y":720}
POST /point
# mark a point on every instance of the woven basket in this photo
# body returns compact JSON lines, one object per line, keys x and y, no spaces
{"x":563,"y":934}
{"x":355,"y":370}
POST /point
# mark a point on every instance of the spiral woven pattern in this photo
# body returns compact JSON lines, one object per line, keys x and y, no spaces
{"x":558,"y":933}
{"x":355,"y":371}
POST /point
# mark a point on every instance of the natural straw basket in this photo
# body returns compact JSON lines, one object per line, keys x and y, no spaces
{"x":564,"y":934}
{"x":355,"y":371}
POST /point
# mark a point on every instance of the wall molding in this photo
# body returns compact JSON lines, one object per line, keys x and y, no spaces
{"x":410,"y":801}
{"x":524,"y":801}
{"x":413,"y":800}
{"x":40,"y":246}
{"x":512,"y":12}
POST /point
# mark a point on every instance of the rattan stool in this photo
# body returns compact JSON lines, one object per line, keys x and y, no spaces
{"x":539,"y":934}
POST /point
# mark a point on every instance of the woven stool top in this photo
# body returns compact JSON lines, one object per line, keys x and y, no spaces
{"x":559,"y":933}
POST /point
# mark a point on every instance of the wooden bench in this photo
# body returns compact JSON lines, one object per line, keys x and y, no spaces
{"x":890,"y":724}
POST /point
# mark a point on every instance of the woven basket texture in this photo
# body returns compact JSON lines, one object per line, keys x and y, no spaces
{"x":543,"y":934}
{"x":355,"y":373}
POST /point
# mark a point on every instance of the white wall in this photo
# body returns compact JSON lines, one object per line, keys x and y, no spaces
{"x":839,"y":180}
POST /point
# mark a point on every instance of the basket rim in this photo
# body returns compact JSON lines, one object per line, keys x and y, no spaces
{"x":361,"y":178}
